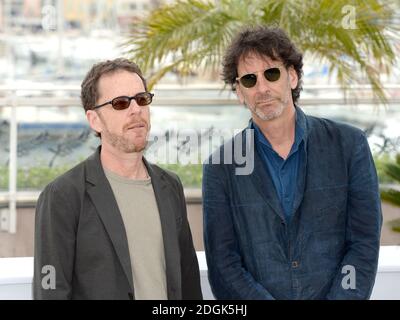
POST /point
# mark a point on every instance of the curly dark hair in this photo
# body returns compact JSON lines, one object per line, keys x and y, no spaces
{"x":89,"y":86}
{"x":266,"y":41}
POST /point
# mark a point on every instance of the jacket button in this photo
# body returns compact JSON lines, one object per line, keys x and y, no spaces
{"x":295,"y":264}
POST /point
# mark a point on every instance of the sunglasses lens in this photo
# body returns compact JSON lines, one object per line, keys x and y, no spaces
{"x":248,"y":80}
{"x":272,"y":74}
{"x":143,"y":99}
{"x":121,"y":103}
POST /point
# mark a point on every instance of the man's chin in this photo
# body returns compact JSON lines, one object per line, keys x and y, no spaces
{"x":266,"y":116}
{"x":139,"y":147}
{"x":269,"y":112}
{"x":130,"y":147}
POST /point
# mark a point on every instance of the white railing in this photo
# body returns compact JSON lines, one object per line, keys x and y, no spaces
{"x":15,"y":96}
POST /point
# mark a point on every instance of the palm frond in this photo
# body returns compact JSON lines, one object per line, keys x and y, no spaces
{"x":175,"y":34}
{"x":391,"y":196}
{"x":395,"y":225}
{"x":393,"y":170}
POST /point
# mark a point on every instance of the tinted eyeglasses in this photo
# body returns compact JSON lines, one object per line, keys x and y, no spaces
{"x":250,"y":80}
{"x":123,"y":102}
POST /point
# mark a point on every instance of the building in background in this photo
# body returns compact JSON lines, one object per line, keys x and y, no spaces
{"x":51,"y":40}
{"x":34,"y":15}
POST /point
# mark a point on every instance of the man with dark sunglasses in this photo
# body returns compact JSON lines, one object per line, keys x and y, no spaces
{"x":306,"y":222}
{"x":115,"y":226}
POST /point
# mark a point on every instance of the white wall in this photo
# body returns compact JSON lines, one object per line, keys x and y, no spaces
{"x":16,"y":276}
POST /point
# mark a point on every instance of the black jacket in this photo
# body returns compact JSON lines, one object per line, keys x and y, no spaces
{"x":80,"y":232}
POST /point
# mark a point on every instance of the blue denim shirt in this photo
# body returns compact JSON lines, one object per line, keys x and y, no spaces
{"x":253,"y":253}
{"x":283,"y":172}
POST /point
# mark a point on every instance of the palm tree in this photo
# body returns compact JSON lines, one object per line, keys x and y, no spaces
{"x":391,"y":195}
{"x":351,"y":37}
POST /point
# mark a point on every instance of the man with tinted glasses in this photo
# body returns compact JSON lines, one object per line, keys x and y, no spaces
{"x":305,"y":223}
{"x":115,"y":226}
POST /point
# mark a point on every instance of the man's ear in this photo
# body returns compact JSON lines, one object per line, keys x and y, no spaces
{"x":94,"y":120}
{"x":293,"y":78}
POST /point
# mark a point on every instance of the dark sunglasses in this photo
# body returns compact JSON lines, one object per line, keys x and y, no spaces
{"x":250,"y":80}
{"x":123,"y":102}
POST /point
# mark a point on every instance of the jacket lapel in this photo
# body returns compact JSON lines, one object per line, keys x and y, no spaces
{"x":301,"y":119}
{"x":261,"y":178}
{"x":163,"y":192}
{"x":263,"y":181}
{"x":103,"y":199}
{"x":301,"y":182}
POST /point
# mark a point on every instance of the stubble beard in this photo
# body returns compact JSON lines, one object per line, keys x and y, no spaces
{"x":271,"y":114}
{"x":121,"y":143}
{"x":276,"y":111}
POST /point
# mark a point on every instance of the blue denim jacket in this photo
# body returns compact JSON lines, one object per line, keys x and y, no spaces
{"x":282,"y":171}
{"x":253,"y":253}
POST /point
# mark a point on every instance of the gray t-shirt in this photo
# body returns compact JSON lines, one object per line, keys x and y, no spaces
{"x":138,"y":207}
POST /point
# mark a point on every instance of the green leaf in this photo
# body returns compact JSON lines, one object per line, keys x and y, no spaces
{"x":395,"y":224}
{"x":391,"y":196}
{"x":192,"y":35}
{"x":393,"y":171}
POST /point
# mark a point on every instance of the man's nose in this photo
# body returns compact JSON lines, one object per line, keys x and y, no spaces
{"x":262,"y":85}
{"x":134,"y":108}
